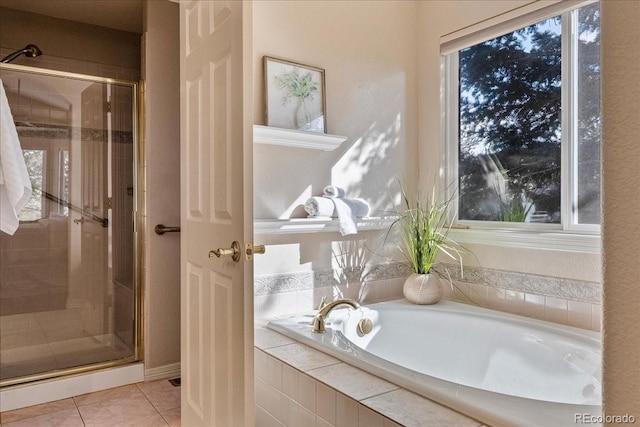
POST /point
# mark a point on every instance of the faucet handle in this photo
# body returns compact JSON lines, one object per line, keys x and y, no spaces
{"x":323,"y":302}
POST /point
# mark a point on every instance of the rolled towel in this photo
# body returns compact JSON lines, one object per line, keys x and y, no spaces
{"x":333,"y":191}
{"x":319,"y":206}
{"x":348,"y":210}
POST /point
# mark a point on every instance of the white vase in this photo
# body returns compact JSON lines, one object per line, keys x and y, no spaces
{"x":422,"y":288}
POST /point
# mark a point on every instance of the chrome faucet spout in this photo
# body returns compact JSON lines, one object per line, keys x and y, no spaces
{"x":323,"y":312}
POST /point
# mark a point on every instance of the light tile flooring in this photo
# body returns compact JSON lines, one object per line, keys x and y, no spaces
{"x":138,"y":405}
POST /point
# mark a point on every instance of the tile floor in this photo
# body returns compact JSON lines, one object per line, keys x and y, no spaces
{"x":31,"y":343}
{"x":138,"y":405}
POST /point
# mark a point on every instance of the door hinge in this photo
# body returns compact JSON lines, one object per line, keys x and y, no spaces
{"x":109,"y":202}
{"x":108,"y":106}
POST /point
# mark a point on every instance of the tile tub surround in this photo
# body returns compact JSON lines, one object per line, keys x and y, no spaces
{"x":570,"y":302}
{"x":308,"y":280}
{"x":300,"y":386}
{"x":296,"y":292}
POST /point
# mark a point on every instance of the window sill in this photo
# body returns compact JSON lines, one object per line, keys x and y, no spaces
{"x":558,"y":241}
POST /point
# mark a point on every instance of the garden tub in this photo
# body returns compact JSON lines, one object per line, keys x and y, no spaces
{"x":498,"y":368}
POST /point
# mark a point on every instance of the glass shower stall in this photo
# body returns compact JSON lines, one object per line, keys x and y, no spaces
{"x":69,"y":276}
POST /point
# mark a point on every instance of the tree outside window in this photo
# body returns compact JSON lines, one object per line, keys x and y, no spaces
{"x":511,"y":123}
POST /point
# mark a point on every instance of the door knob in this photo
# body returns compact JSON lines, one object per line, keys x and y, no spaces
{"x":233,"y":252}
{"x":250,"y":249}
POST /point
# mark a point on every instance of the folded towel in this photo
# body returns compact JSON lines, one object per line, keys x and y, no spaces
{"x":345,"y":209}
{"x":332,"y":191}
{"x":348,"y":210}
{"x":15,"y":185}
{"x":319,"y":206}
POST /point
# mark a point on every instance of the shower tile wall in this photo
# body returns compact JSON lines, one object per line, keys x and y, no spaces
{"x":33,"y":268}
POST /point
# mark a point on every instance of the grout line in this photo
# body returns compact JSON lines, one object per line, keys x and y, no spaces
{"x":273,"y":346}
{"x":383,"y":393}
{"x":79,"y":413}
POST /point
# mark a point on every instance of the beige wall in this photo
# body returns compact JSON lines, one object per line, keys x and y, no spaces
{"x":368,"y":51}
{"x":161,"y":72}
{"x":68,"y":39}
{"x":621,"y":176}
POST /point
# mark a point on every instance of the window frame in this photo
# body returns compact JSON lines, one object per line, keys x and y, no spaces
{"x":569,"y":234}
{"x":44,"y":208}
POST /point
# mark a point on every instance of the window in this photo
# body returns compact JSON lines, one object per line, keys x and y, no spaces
{"x":524,"y":125}
{"x":63,"y":183}
{"x":34,"y":209}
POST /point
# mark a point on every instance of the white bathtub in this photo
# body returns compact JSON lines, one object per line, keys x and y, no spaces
{"x":498,"y":368}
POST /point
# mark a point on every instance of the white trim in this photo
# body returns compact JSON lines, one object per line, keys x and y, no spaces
{"x":62,"y":388}
{"x":506,"y":23}
{"x":316,"y":225}
{"x":450,"y":119}
{"x":162,"y":372}
{"x":567,"y":95}
{"x":558,"y":241}
{"x":296,"y":138}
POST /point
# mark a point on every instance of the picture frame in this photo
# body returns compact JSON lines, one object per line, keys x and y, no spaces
{"x":294,"y":95}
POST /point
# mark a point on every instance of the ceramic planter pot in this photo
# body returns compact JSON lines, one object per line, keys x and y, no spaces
{"x":422,"y":288}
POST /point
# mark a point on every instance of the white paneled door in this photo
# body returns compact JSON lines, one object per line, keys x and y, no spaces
{"x":216,"y":199}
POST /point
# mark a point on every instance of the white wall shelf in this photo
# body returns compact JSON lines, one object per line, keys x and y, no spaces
{"x":315,"y":225}
{"x":296,"y":138}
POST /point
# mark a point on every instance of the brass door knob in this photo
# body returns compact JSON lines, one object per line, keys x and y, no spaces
{"x":233,"y":252}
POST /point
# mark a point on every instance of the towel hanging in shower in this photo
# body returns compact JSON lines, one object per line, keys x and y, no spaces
{"x":15,"y":185}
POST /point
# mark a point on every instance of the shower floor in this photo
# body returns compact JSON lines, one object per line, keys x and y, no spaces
{"x":33,"y":343}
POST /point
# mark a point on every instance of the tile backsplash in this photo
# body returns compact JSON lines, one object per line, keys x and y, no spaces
{"x":571,"y":302}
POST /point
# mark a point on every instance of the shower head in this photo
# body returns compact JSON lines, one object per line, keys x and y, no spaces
{"x":30,"y":51}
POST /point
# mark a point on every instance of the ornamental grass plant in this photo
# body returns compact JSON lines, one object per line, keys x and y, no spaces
{"x":424,"y":227}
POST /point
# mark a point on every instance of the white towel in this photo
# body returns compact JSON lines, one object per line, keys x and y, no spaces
{"x":319,"y":206}
{"x":15,"y":185}
{"x":332,"y":191}
{"x":348,"y":210}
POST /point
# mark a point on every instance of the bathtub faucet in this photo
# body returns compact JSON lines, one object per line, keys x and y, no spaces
{"x":325,"y":309}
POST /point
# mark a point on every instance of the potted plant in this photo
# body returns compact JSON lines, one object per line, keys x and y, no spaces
{"x":424,"y":231}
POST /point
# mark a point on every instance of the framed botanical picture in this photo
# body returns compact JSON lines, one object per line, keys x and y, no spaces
{"x":294,"y":95}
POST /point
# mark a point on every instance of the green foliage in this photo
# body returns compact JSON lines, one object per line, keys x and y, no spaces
{"x":296,"y":85}
{"x":424,"y":230}
{"x":514,"y":209}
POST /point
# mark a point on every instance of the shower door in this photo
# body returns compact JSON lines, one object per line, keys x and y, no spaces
{"x":69,"y":293}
